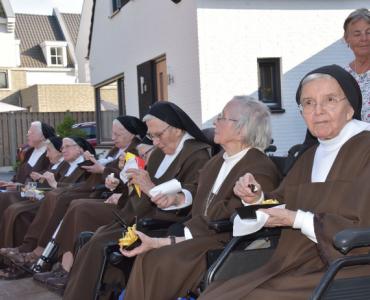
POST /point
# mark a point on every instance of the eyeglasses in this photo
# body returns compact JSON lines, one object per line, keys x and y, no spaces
{"x":153,"y":136}
{"x":330,"y":103}
{"x":67,"y":146}
{"x":220,"y":117}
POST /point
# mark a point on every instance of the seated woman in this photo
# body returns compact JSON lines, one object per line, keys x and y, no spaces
{"x":72,"y":150}
{"x":175,"y":264}
{"x":34,"y":160}
{"x":126,"y":133}
{"x":181,"y":150}
{"x":325,"y":192}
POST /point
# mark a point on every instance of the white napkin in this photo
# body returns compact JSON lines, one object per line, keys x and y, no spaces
{"x":130,"y":164}
{"x":249,"y":226}
{"x":169,"y":187}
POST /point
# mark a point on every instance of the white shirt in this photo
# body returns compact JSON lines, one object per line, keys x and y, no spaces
{"x":105,"y":160}
{"x":165,"y":164}
{"x":324,"y":158}
{"x":56,"y":165}
{"x":36,"y":154}
{"x":73,"y":165}
{"x":228,"y":164}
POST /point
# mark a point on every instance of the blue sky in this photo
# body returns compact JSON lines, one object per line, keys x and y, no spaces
{"x":45,"y":7}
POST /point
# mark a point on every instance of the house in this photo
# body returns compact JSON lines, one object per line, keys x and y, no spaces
{"x":199,"y":53}
{"x":38,"y":62}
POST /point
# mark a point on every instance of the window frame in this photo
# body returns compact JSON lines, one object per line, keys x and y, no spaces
{"x":56,"y":55}
{"x":6,"y":80}
{"x":117,"y":5}
{"x":273,"y":63}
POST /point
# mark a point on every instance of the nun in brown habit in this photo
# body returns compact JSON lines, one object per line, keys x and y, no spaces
{"x":181,"y":151}
{"x":34,"y":160}
{"x":167,"y":267}
{"x":325,"y":192}
{"x":126,"y":131}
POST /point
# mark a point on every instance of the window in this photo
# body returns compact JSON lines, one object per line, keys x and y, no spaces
{"x":56,"y":55}
{"x":118,"y":4}
{"x":110,"y":103}
{"x":3,"y":80}
{"x":269,"y":87}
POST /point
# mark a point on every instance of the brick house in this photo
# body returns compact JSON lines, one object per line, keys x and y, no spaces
{"x":38,"y":63}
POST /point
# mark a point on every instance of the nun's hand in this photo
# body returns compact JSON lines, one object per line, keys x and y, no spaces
{"x":164,"y":201}
{"x":50,"y":178}
{"x":248,"y":189}
{"x":113,"y":199}
{"x":35,"y":176}
{"x":141,"y":178}
{"x":279,"y":217}
{"x":96,"y":168}
{"x":147,"y":243}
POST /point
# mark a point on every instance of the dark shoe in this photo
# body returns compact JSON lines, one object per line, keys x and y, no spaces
{"x":42,"y":277}
{"x":59,"y":281}
{"x":26,"y":259}
{"x":12,"y":273}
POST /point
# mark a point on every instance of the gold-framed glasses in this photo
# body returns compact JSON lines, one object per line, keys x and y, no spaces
{"x":158,"y":135}
{"x":308,"y":105}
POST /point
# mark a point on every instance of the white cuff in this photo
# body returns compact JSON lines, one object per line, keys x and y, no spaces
{"x":304,"y":222}
{"x":188,"y":201}
{"x":187,"y":233}
{"x":104,"y":161}
{"x":257,"y":202}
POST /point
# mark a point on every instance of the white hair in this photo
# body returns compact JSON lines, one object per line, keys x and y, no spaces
{"x":254,"y":122}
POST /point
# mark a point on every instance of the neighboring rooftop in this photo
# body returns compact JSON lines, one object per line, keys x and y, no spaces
{"x":32,"y":30}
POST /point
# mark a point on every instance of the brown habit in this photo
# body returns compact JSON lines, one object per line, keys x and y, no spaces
{"x":190,"y":268}
{"x":338,"y":203}
{"x":185,"y":168}
{"x":23,"y":174}
{"x":18,"y":216}
{"x":57,"y":202}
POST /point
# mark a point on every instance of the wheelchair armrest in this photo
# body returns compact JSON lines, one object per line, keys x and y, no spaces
{"x":221,"y":226}
{"x":153,"y":224}
{"x":348,"y":239}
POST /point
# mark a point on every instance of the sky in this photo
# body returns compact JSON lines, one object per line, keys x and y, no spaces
{"x":45,"y":7}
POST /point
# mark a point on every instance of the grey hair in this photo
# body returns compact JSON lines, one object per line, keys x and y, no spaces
{"x":254,"y":122}
{"x":315,"y":76}
{"x":358,"y":14}
{"x":37,"y":125}
{"x":148,"y":117}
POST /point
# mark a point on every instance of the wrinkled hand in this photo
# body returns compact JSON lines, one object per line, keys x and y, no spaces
{"x":35,"y":176}
{"x":50,"y":178}
{"x":111,"y":183}
{"x":147,"y":243}
{"x":279,"y":217}
{"x":4,"y":183}
{"x":96,"y":168}
{"x":113,"y":199}
{"x":244,"y":191}
{"x":142,"y":178}
{"x":164,"y":201}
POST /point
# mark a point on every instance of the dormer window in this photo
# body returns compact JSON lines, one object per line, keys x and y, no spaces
{"x":56,"y":56}
{"x":55,"y":53}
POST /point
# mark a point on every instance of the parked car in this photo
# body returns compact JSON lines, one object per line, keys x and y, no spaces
{"x":89,"y":128}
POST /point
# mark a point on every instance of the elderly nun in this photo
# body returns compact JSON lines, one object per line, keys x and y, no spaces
{"x":326,"y":191}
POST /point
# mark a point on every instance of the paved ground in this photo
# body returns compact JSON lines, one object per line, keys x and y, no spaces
{"x":27,"y":288}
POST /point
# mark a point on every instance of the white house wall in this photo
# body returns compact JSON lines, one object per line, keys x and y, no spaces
{"x":141,"y":31}
{"x":233,"y":34}
{"x":9,"y":48}
{"x":45,"y":76}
